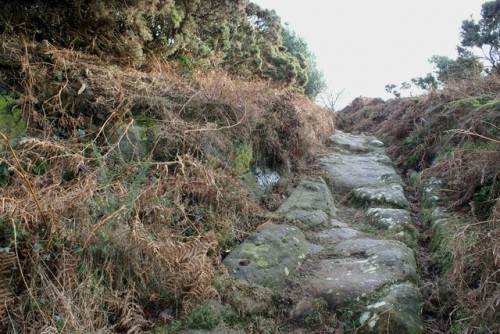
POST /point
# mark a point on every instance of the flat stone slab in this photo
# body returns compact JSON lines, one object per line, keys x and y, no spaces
{"x":349,"y":171}
{"x":311,"y":203}
{"x":355,"y":143}
{"x":387,"y":218}
{"x":392,"y":194}
{"x":337,"y":234}
{"x":307,"y":218}
{"x":268,"y":256}
{"x":363,"y":266}
{"x":360,"y":166}
{"x":398,"y":311}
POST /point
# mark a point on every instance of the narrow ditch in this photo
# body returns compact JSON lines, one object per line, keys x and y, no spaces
{"x":433,"y":287}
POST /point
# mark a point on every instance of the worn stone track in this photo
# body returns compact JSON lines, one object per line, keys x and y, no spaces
{"x":353,"y":254}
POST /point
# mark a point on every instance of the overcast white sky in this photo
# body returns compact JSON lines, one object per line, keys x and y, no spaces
{"x":362,"y":45}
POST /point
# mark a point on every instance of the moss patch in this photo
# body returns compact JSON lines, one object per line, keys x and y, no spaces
{"x":243,"y":158}
{"x":471,"y":102}
{"x":11,"y":122}
{"x":493,"y":104}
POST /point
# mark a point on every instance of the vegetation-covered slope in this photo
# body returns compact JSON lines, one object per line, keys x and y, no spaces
{"x":126,"y":129}
{"x":453,"y":135}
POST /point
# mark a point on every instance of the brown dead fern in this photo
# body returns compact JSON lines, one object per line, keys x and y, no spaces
{"x":475,"y":272}
{"x":190,"y":269}
{"x":7,"y":265}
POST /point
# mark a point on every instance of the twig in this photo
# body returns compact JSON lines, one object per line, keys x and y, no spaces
{"x":187,"y":102}
{"x":21,"y":268}
{"x":91,"y":234}
{"x":24,"y":175}
{"x":221,"y":128}
{"x":471,"y":133}
{"x":119,"y":140}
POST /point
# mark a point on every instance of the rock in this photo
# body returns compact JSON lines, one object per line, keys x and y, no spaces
{"x":338,"y":223}
{"x":348,"y":171}
{"x":392,"y":195}
{"x":349,"y":266}
{"x":386,"y":218}
{"x":268,"y":256}
{"x":249,"y":182}
{"x":310,"y":203}
{"x":353,"y":143}
{"x":391,"y":252}
{"x":439,"y":213}
{"x":376,"y":143}
{"x":308,"y":218}
{"x":398,"y":311}
{"x":365,"y":170}
{"x":335,"y":235}
{"x":362,"y":267}
{"x":302,"y":308}
{"x":431,"y":191}
{"x":266,"y":177}
{"x":247,"y":299}
{"x":259,"y":180}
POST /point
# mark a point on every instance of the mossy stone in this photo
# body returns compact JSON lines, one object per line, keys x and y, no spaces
{"x":398,"y":311}
{"x":269,"y":255}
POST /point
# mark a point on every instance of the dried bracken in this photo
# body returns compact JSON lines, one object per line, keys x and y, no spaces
{"x":124,"y":192}
{"x":475,"y":272}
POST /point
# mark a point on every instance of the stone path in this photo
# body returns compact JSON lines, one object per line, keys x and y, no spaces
{"x":348,"y":255}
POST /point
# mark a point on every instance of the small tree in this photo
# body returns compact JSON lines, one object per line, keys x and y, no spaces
{"x":484,"y":34}
{"x":465,"y":67}
{"x":428,"y":82}
{"x":391,"y":89}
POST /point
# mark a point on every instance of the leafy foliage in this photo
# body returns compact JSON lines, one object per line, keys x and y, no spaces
{"x":446,"y":71}
{"x":485,"y":33}
{"x":296,"y":45}
{"x":465,"y":67}
{"x":392,"y":89}
{"x":428,"y":82}
{"x":235,"y":34}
